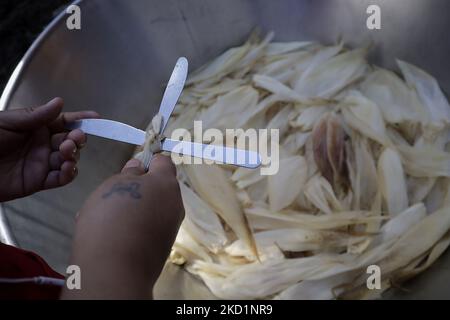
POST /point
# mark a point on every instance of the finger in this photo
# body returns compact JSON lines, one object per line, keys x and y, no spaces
{"x":162,"y":164}
{"x":59,"y":124}
{"x":79,"y":137}
{"x":68,"y":172}
{"x":56,"y":160}
{"x":68,"y":150}
{"x":57,"y":140}
{"x":76,"y":156}
{"x":59,"y":178}
{"x":133,"y":167}
{"x":33,"y":117}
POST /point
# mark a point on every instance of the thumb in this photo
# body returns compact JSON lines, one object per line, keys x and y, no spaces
{"x":133,"y":167}
{"x":163,"y":164}
{"x":32,"y":118}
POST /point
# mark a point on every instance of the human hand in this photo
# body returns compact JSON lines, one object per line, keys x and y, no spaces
{"x":36,"y":152}
{"x":125,"y":231}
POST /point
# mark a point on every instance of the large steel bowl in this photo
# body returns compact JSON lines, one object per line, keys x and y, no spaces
{"x":119,"y":60}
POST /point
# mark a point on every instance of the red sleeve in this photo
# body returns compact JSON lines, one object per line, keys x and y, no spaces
{"x":18,"y":263}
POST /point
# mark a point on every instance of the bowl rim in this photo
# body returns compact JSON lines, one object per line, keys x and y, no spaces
{"x":6,"y":235}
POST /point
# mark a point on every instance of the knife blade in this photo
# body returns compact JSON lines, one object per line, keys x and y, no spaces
{"x":170,"y":98}
{"x":219,"y":154}
{"x":118,"y":131}
{"x":109,"y":129}
{"x":173,"y":90}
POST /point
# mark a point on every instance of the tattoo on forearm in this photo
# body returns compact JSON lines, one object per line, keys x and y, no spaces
{"x":131,"y":189}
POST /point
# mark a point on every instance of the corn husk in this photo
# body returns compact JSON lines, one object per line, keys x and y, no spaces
{"x":364,"y":116}
{"x":397,"y":101}
{"x":329,"y":78}
{"x":430,"y":94}
{"x":364,"y":174}
{"x":293,"y":171}
{"x":214,"y":187}
{"x":201,"y":222}
{"x":392,"y":181}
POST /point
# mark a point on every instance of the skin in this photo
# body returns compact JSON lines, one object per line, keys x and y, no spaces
{"x":36,"y":153}
{"x":125,"y":231}
{"x":127,"y":226}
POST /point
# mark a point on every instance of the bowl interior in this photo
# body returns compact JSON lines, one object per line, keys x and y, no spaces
{"x":119,"y":61}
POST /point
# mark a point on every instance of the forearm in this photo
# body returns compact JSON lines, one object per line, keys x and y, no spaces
{"x":119,"y":268}
{"x":119,"y":257}
{"x":107,"y":276}
{"x":125,"y":231}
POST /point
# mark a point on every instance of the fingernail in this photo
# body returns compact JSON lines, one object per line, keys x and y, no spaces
{"x":74,"y":171}
{"x":53,"y":101}
{"x":133,"y":163}
{"x":81,"y":145}
{"x":74,"y":152}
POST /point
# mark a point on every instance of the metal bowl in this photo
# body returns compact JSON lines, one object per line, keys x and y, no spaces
{"x":119,"y":60}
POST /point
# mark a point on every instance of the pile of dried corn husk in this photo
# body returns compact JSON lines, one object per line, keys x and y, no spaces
{"x":364,"y":174}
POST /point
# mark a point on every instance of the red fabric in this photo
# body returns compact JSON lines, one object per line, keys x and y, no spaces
{"x":18,"y":263}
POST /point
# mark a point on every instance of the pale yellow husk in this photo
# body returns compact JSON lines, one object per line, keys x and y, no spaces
{"x":364,"y":174}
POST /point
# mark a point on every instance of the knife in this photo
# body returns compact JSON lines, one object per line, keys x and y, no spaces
{"x":171,"y":95}
{"x":173,"y":90}
{"x":122,"y":132}
{"x":125,"y":133}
